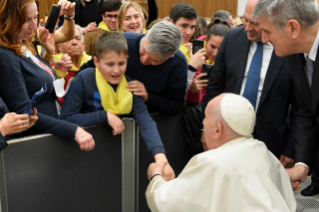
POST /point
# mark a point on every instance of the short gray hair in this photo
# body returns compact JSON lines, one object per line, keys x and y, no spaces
{"x":279,"y":12}
{"x":165,"y":39}
{"x":221,"y":14}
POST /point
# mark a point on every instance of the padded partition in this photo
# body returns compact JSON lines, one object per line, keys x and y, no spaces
{"x":51,"y":174}
{"x":171,"y":130}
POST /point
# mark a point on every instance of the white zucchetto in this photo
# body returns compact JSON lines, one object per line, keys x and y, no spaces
{"x":238,"y":113}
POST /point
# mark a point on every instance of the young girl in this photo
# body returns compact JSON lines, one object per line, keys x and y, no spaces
{"x":98,"y":95}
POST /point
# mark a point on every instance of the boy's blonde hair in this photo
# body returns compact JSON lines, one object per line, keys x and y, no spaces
{"x":110,"y":42}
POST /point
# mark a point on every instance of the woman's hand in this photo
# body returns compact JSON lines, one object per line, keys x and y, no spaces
{"x":197,"y":59}
{"x":46,"y":40}
{"x":67,"y":8}
{"x":13,"y":123}
{"x":198,"y":83}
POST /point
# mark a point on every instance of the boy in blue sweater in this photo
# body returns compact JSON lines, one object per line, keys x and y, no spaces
{"x":98,"y":95}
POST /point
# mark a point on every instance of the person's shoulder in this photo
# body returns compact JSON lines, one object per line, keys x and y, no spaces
{"x":132,"y":35}
{"x":179,"y":56}
{"x":6,"y":51}
{"x":88,"y":72}
{"x":237,"y":30}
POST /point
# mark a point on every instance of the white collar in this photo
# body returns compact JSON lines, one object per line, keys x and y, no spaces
{"x":314,"y":48}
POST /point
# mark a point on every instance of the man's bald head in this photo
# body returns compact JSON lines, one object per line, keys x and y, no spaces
{"x":227,"y":116}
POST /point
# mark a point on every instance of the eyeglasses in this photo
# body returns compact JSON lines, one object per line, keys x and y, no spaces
{"x":110,"y":17}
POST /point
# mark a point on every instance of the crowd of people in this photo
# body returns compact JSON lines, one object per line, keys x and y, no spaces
{"x":258,"y":105}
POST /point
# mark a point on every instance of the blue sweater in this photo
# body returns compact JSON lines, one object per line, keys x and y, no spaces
{"x":165,"y":83}
{"x":20,"y":79}
{"x":82,"y":106}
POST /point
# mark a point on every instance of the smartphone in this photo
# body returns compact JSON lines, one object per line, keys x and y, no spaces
{"x":33,"y":102}
{"x":207,"y":68}
{"x":197,"y":45}
{"x":53,"y":17}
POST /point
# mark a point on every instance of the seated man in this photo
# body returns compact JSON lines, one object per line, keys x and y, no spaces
{"x":237,"y":173}
{"x":110,"y":11}
{"x":98,"y":96}
{"x":184,"y":16}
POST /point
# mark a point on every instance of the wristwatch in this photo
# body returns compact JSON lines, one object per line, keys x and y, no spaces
{"x":70,"y":18}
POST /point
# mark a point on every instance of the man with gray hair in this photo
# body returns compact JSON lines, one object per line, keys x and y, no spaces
{"x":158,"y":68}
{"x":237,"y":173}
{"x":292,"y":27}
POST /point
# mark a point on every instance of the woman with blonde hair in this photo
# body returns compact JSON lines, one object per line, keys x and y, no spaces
{"x":131,"y":18}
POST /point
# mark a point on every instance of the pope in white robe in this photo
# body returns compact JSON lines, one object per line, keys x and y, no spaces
{"x":237,"y":175}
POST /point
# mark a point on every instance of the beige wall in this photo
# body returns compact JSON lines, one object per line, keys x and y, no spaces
{"x":205,"y":8}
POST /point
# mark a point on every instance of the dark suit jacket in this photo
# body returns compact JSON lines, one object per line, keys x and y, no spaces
{"x":307,"y":131}
{"x":277,"y":94}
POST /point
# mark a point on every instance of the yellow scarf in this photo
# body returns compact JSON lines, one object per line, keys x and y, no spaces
{"x":56,"y":57}
{"x":210,"y":62}
{"x":103,"y":26}
{"x":184,"y":50}
{"x":118,"y":103}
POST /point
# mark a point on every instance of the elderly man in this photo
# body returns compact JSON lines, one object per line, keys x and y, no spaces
{"x":268,"y":87}
{"x":72,"y":57}
{"x":238,"y":173}
{"x":292,"y":27}
{"x":110,"y":11}
{"x":158,"y":68}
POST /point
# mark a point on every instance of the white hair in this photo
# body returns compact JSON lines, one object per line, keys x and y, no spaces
{"x":279,"y":12}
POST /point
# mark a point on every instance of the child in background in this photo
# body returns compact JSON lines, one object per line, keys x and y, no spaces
{"x":98,"y":96}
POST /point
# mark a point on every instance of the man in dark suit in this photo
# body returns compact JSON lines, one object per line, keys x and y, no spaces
{"x":292,"y":27}
{"x":273,"y":90}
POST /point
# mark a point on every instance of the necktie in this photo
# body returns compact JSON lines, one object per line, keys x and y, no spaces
{"x":309,"y":63}
{"x":252,"y":82}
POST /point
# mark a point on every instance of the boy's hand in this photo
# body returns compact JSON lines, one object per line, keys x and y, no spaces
{"x":138,"y":89}
{"x":116,"y":123}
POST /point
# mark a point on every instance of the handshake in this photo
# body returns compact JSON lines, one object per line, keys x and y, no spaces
{"x":297,"y":175}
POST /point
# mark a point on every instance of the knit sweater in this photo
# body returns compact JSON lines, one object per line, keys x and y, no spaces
{"x":82,"y":106}
{"x":20,"y":79}
{"x":165,"y":83}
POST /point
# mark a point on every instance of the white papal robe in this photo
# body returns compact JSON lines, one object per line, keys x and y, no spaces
{"x":241,"y":175}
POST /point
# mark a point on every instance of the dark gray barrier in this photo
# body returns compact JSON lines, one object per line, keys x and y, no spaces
{"x":51,"y":174}
{"x":171,"y":130}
